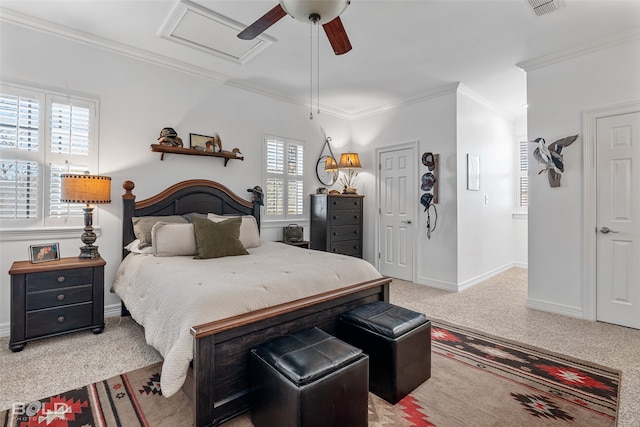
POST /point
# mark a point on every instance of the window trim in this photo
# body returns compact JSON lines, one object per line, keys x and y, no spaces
{"x":45,"y":157}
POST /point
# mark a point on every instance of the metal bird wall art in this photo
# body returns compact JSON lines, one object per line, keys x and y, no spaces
{"x":551,"y":157}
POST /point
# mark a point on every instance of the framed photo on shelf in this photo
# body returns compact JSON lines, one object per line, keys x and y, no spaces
{"x":43,"y":253}
{"x":201,"y":142}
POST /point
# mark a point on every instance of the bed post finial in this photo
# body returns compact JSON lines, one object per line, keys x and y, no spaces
{"x":128,"y":186}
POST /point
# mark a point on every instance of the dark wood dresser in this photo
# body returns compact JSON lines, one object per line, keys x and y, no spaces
{"x":54,"y":298}
{"x":336,"y":223}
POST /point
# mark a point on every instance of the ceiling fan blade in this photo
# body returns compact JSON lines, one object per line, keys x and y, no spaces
{"x":264,"y":22}
{"x":337,"y":36}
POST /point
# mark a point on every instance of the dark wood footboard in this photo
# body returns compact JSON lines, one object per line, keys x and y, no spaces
{"x":219,"y":383}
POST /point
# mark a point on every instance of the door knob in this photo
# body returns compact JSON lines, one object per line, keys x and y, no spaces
{"x":407,"y":221}
{"x":606,"y":230}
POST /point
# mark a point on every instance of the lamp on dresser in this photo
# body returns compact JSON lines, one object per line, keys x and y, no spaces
{"x":349,"y":161}
{"x":89,"y":189}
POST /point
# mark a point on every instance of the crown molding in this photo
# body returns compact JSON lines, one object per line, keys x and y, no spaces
{"x":579,"y":50}
{"x":47,"y":27}
{"x":482,"y":100}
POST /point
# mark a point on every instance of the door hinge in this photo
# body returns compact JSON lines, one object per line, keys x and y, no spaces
{"x":379,"y":256}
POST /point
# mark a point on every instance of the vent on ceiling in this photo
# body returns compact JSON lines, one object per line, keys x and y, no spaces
{"x":544,"y":7}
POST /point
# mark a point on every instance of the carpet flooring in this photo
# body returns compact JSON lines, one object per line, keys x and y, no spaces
{"x":496,"y":306}
{"x":476,"y":379}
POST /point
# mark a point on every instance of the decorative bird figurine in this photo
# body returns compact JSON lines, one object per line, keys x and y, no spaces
{"x":551,"y":157}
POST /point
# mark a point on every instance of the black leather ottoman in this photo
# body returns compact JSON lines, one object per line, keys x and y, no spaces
{"x":398,"y":342}
{"x":309,"y":378}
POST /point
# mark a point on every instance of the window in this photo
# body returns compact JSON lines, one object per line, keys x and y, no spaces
{"x":522,"y":180}
{"x":43,"y":134}
{"x":284,"y":159}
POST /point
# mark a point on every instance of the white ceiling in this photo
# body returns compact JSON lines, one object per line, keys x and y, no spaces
{"x":403,"y":51}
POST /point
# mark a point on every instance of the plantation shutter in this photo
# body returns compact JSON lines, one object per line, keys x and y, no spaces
{"x":284,"y":198}
{"x":523,"y":179}
{"x":19,"y":143}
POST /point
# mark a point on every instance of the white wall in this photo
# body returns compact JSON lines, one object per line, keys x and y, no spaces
{"x":558,"y":94}
{"x":138,"y":99}
{"x":485,"y":230}
{"x":432,"y":123}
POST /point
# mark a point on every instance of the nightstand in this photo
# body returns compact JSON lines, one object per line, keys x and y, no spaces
{"x":301,"y":244}
{"x":54,"y":298}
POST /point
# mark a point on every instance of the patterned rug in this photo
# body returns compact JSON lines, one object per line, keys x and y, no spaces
{"x":476,"y":380}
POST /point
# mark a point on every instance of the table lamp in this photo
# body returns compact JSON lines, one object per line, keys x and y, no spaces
{"x":89,"y":189}
{"x":349,"y":161}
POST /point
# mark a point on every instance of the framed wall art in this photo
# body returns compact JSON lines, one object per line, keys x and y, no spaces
{"x":473,"y":172}
{"x":201,"y":142}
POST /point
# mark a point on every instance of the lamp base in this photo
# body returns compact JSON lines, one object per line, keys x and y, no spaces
{"x":89,"y":252}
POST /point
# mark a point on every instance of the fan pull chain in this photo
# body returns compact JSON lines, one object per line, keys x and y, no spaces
{"x":318,"y":65}
{"x":311,"y":69}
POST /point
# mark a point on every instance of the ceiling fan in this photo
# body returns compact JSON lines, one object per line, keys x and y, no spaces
{"x":323,"y":12}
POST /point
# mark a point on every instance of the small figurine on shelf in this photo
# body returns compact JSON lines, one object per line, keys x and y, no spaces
{"x":169,"y":137}
{"x":235,"y":152}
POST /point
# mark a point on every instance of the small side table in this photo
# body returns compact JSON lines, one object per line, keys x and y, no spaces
{"x":54,"y":298}
{"x":301,"y":244}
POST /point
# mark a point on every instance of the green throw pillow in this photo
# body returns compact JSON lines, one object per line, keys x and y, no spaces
{"x":218,"y":239}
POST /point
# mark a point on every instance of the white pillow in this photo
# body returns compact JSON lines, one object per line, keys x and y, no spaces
{"x":249,"y":233}
{"x":135,"y":248}
{"x":170,"y":239}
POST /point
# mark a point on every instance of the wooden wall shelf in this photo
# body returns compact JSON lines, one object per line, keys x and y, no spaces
{"x":164,"y":149}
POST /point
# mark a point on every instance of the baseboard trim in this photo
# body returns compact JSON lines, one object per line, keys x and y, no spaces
{"x":482,"y":277}
{"x":438,"y":284}
{"x":552,"y":307}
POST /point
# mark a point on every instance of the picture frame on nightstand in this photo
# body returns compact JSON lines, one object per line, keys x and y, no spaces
{"x":44,"y":253}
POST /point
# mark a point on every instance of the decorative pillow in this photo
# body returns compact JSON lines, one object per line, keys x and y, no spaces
{"x":190,"y":215}
{"x":142,"y":226}
{"x":249,"y":233}
{"x":135,"y":248}
{"x":173,"y":239}
{"x":218,"y":239}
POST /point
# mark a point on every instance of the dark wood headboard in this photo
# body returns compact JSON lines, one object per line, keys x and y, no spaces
{"x":195,"y":195}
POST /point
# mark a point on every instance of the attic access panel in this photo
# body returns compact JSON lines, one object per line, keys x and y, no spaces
{"x":202,"y":29}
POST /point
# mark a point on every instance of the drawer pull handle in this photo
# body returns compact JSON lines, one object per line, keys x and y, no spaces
{"x":60,"y":297}
{"x":60,"y":319}
{"x":61,"y":279}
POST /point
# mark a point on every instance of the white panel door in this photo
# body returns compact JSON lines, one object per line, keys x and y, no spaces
{"x":397,"y":208}
{"x":618,"y":219}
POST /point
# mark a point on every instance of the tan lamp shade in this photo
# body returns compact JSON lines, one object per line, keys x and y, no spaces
{"x":89,"y":189}
{"x":330,"y":164}
{"x":349,"y":161}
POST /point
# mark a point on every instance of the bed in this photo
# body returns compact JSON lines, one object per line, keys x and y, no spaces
{"x":217,"y":379}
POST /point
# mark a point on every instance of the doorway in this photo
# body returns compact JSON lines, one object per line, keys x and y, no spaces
{"x":397,"y":192}
{"x":612,"y":226}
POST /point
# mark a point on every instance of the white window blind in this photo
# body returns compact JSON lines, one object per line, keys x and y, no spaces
{"x":522,"y":171}
{"x":284,"y":158}
{"x":42,"y":135}
{"x":18,"y":189}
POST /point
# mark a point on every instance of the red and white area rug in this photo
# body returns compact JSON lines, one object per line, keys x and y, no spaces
{"x":476,"y":380}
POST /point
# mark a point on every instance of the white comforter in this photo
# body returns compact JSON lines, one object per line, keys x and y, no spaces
{"x":168,"y":295}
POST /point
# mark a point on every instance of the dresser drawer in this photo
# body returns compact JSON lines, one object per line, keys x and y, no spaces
{"x":59,"y":297}
{"x":347,"y":247}
{"x":345,"y":232}
{"x":345,"y":218}
{"x":58,"y":279}
{"x":345,"y":203}
{"x":55,"y":320}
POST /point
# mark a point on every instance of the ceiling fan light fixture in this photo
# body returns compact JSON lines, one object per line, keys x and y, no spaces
{"x":302,"y":10}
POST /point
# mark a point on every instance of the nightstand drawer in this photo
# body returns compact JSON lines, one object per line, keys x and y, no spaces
{"x":347,"y":247}
{"x":345,"y":232}
{"x":59,"y":297}
{"x":59,"y":279}
{"x":346,"y":203}
{"x":55,"y":320}
{"x":345,"y":217}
